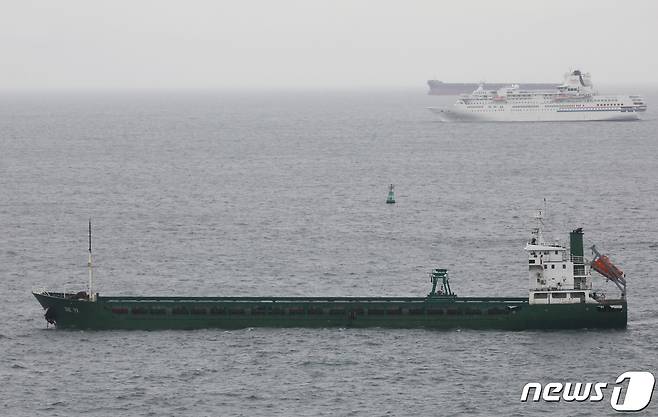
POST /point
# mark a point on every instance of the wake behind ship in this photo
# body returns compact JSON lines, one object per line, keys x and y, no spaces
{"x":574,"y":100}
{"x":561,"y":296}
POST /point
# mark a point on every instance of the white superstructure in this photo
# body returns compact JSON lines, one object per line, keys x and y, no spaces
{"x":574,"y":100}
{"x":556,"y":274}
{"x":561,"y":275}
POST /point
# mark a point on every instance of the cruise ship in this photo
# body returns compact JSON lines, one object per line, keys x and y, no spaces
{"x":574,"y":100}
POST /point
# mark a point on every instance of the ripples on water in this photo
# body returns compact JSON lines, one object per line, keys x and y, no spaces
{"x":284,"y":195}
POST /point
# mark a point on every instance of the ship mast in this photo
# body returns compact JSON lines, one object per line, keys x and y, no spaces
{"x":538,"y":231}
{"x":91,"y":269}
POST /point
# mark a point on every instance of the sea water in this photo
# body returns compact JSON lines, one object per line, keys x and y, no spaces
{"x":283,"y":193}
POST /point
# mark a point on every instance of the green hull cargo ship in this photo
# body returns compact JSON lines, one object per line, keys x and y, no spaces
{"x":560,"y":297}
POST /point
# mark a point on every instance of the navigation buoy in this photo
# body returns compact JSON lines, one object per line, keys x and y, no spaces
{"x":391,"y":195}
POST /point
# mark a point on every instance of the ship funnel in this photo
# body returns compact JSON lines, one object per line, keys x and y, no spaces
{"x":576,"y":243}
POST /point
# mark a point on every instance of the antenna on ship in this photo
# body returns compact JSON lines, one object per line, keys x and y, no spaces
{"x":91,"y":269}
{"x":538,"y":231}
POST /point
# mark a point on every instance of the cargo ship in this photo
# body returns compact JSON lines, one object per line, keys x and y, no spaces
{"x":440,"y":88}
{"x":560,"y":296}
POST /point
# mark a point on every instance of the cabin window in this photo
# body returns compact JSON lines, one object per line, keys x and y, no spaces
{"x":577,"y":295}
{"x":564,"y":266}
{"x":531,"y":261}
{"x":545,"y":266}
{"x":560,"y":295}
{"x":556,"y":252}
{"x":552,"y":266}
{"x":541,"y":296}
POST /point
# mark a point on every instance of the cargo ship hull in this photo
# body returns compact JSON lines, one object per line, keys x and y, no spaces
{"x":154,"y":313}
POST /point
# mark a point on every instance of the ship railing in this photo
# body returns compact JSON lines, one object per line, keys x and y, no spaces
{"x":577,"y":259}
{"x":50,"y":293}
{"x":587,"y":286}
{"x":601,"y":296}
{"x":337,"y":300}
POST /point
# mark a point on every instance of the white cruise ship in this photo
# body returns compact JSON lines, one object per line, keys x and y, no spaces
{"x":574,"y":100}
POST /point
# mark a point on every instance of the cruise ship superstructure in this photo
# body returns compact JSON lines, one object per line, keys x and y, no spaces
{"x":440,"y":88}
{"x":574,"y":100}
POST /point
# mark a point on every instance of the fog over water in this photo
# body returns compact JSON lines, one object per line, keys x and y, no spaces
{"x":258,"y":44}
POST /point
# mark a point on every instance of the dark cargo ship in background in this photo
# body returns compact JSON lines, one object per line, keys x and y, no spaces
{"x":440,"y":88}
{"x":560,"y":297}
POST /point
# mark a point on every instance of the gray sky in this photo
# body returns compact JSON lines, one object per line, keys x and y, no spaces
{"x":85,"y":44}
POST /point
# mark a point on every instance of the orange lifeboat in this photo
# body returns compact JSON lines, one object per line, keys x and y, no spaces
{"x":603,"y":266}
